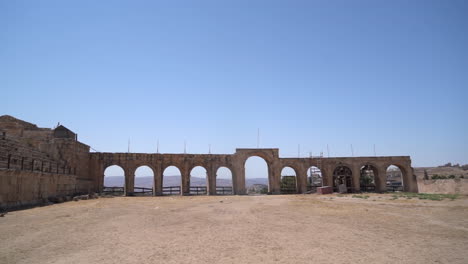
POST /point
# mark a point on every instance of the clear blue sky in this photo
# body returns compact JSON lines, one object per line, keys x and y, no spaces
{"x":390,"y":73}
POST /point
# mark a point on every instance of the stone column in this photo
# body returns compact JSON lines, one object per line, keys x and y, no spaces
{"x":185,"y":182}
{"x":211,"y":180}
{"x":158,"y":181}
{"x":238,"y":175}
{"x":240,"y":182}
{"x":356,"y":170}
{"x":377,"y":179}
{"x":410,"y":183}
{"x":301,"y":179}
{"x":129,"y":184}
{"x":274,"y":178}
{"x":381,"y":182}
{"x":327,"y":176}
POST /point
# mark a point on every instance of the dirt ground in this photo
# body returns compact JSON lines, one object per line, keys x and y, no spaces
{"x":239,"y":229}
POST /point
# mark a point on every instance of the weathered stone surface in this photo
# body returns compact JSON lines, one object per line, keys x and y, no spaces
{"x":445,"y":186}
{"x":39,"y":163}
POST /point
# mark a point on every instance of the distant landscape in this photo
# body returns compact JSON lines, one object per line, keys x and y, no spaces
{"x":147,"y":181}
{"x":445,"y":170}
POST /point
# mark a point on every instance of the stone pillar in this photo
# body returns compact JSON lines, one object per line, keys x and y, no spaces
{"x":158,"y":181}
{"x":381,"y":182}
{"x":377,"y":179}
{"x":129,"y":184}
{"x":327,"y":176}
{"x":185,"y":182}
{"x":274,"y":178}
{"x":409,"y":180}
{"x":301,"y":180}
{"x":238,"y":175}
{"x":356,"y":170}
{"x":211,"y":181}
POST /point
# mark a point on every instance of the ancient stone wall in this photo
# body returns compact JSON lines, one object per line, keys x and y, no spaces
{"x":35,"y":166}
{"x":22,"y":188}
{"x":39,"y":163}
{"x":444,"y":186}
{"x":129,"y":162}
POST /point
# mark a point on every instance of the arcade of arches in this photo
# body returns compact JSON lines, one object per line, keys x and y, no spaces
{"x":352,"y":174}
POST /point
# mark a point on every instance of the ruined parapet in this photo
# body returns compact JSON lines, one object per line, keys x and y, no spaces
{"x":36,"y":164}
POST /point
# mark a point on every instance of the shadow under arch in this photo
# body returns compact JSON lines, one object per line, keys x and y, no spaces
{"x":342,"y":179}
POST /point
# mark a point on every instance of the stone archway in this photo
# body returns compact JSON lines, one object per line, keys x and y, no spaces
{"x":114,"y":179}
{"x":144,"y":181}
{"x":289,"y":181}
{"x":224,"y":181}
{"x":343,"y":179}
{"x":257,"y":175}
{"x":368,"y":178}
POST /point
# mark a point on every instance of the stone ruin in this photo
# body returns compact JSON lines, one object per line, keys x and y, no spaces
{"x":43,"y":164}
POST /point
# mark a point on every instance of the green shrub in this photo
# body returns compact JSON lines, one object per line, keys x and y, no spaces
{"x":361,"y":196}
{"x":425,"y":196}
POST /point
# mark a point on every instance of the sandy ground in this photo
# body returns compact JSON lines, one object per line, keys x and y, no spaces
{"x":239,"y":229}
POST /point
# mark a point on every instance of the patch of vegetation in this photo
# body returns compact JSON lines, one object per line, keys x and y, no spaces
{"x":361,"y":196}
{"x":425,"y":196}
{"x":441,"y":177}
{"x":264,"y":190}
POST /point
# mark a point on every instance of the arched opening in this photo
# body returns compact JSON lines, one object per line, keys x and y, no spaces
{"x":144,"y":181}
{"x":314,"y":178}
{"x":288,"y":181}
{"x":224,"y":181}
{"x":114,"y":180}
{"x":171,"y":180}
{"x":342,"y":179}
{"x":367,"y":179}
{"x":256,"y":175}
{"x":394,"y":178}
{"x":198,"y":178}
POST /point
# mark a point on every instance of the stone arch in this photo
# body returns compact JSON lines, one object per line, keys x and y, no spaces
{"x":314,"y":177}
{"x":171,"y":185}
{"x":142,"y":185}
{"x":257,"y":188}
{"x":197,"y":188}
{"x":369,"y":180}
{"x":139,"y":165}
{"x":224,"y":188}
{"x":289,"y":183}
{"x":113,"y":185}
{"x":343,"y":178}
{"x":264,"y":154}
{"x":395,"y":181}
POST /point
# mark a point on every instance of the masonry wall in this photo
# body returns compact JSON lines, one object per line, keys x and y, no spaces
{"x":444,"y":186}
{"x":23,"y":188}
{"x":31,"y":174}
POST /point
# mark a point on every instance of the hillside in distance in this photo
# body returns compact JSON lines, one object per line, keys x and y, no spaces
{"x":440,"y":170}
{"x":147,"y":181}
